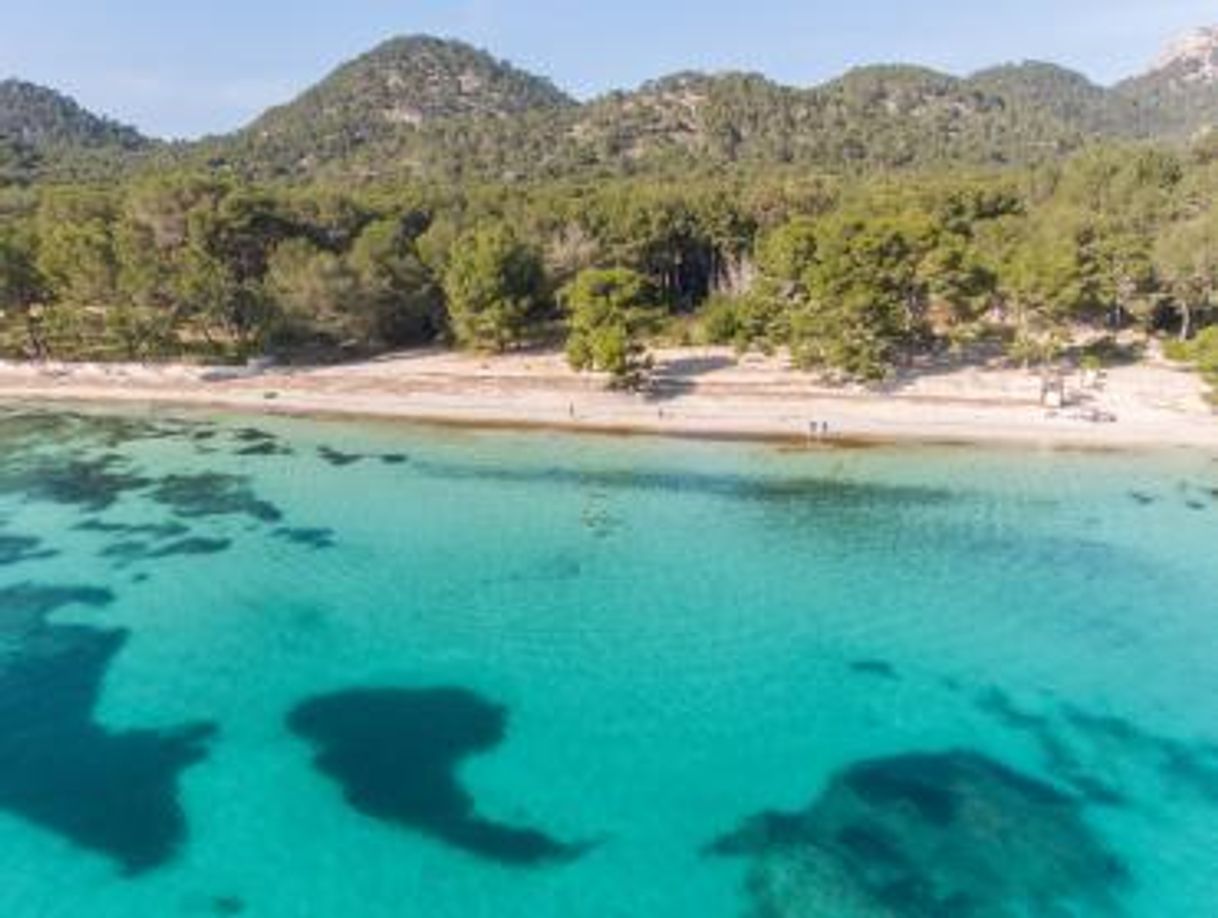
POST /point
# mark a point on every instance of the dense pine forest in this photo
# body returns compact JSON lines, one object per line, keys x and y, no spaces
{"x":429,"y":193}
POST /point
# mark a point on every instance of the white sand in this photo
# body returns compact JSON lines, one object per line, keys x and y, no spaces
{"x":703,"y":392}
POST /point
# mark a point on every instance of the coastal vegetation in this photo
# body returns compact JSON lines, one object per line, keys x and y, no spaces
{"x":891,"y":214}
{"x":1202,"y":351}
{"x":610,"y":312}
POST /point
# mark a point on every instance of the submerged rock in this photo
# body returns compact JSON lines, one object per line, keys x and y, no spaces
{"x":338,"y":458}
{"x":928,"y":835}
{"x":1106,"y":758}
{"x":211,"y":494}
{"x":397,"y":753}
{"x":111,"y":792}
{"x":879,"y":669}
{"x":92,"y":483}
{"x":316,"y":538}
{"x":15,"y":549}
{"x":129,"y":552}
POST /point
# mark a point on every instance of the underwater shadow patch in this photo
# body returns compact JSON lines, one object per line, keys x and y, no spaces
{"x":338,"y":458}
{"x":255,"y":442}
{"x":1080,"y":746}
{"x":876,"y":669}
{"x":210,"y":494}
{"x":954,"y":833}
{"x":317,"y":539}
{"x":1084,"y":560}
{"x":25,"y":606}
{"x":1193,"y":765}
{"x":23,"y":429}
{"x":268,"y":448}
{"x":396,"y":754}
{"x":134,"y":550}
{"x":112,"y":793}
{"x":94,"y":484}
{"x":151,"y":530}
{"x":1061,"y":758}
{"x":816,"y":493}
{"x":227,"y":905}
{"x":15,"y":549}
{"x":115,"y":431}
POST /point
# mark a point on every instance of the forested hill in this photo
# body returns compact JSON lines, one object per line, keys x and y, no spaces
{"x":404,"y":84}
{"x":44,"y":133}
{"x":1179,"y":95}
{"x":421,"y":108}
{"x":42,"y":118}
{"x":875,"y":117}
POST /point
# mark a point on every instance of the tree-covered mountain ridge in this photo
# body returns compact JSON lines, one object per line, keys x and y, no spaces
{"x":37,"y":117}
{"x":425,"y":108}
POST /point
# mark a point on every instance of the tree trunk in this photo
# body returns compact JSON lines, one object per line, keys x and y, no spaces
{"x":37,"y":340}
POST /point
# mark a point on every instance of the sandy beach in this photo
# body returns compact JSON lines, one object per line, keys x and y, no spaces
{"x":703,"y":392}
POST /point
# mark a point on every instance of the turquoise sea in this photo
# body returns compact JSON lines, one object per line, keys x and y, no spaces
{"x":276,"y":667}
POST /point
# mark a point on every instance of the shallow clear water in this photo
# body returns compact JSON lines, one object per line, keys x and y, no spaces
{"x":277,"y":667}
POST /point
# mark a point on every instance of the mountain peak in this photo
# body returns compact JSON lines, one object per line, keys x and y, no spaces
{"x":404,"y":84}
{"x":36,"y":116}
{"x":1192,"y":58}
{"x":413,"y":79}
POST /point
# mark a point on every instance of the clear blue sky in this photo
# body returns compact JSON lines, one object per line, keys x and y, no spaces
{"x":187,"y":67}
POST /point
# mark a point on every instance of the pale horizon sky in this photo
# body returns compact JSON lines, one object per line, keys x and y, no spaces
{"x":184,"y":70}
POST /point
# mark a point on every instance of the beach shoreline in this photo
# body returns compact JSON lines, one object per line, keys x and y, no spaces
{"x":704,"y":393}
